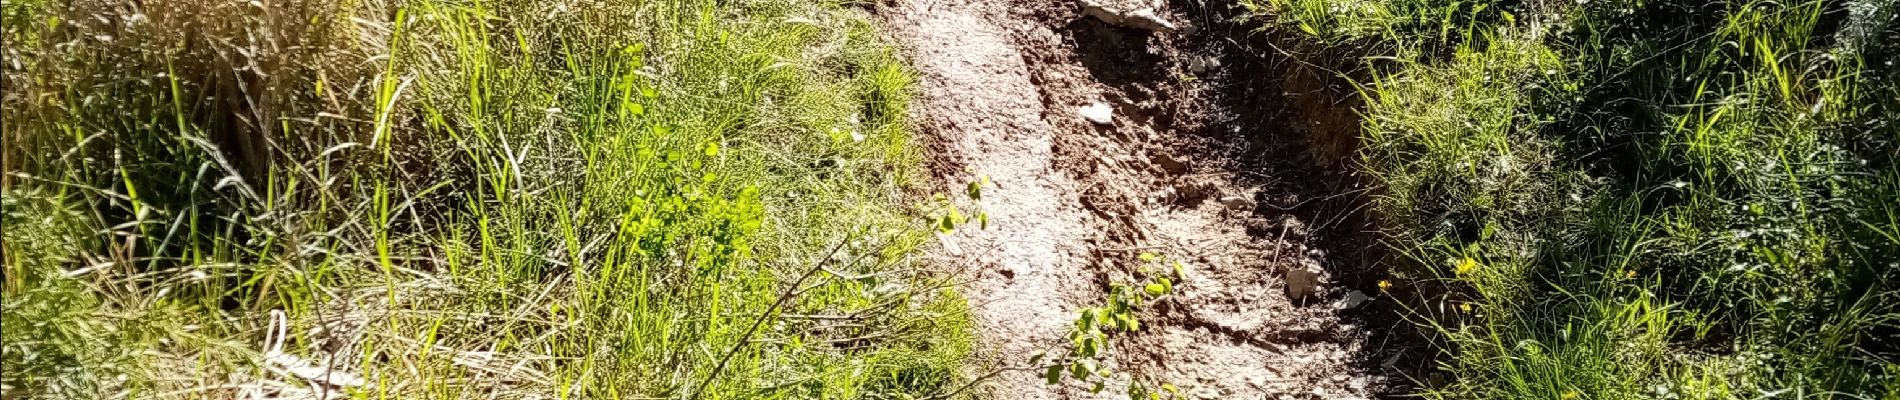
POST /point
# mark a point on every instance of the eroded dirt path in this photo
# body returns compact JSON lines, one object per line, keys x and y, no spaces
{"x":1029,"y":265}
{"x":1191,"y":168}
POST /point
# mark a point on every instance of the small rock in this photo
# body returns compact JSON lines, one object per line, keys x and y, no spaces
{"x":1237,"y":203}
{"x":1353,"y":299}
{"x":1201,"y":64}
{"x":1147,"y":19}
{"x":1099,"y":113}
{"x":1130,"y":13}
{"x":1303,"y":280}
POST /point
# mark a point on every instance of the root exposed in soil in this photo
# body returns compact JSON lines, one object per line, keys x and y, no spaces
{"x":1227,"y":159}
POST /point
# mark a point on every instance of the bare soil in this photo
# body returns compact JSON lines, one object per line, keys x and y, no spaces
{"x":1231,"y":161}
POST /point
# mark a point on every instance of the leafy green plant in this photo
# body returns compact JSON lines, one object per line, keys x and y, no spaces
{"x":1089,"y":345}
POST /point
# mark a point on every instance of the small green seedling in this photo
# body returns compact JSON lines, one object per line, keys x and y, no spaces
{"x":953,"y":216}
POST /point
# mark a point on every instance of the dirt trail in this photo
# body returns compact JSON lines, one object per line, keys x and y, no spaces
{"x":1188,"y":169}
{"x":1029,"y":262}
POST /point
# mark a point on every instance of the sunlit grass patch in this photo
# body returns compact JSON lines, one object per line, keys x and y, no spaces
{"x":454,"y":199}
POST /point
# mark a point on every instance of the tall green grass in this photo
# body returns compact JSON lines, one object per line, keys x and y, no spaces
{"x":1646,"y":199}
{"x":448,"y":199}
{"x":1384,"y":28}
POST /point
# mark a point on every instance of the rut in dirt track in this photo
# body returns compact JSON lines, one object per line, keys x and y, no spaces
{"x":1198,"y":165}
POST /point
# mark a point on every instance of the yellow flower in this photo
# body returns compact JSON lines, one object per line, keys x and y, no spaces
{"x":1466,"y":266}
{"x":1629,"y":274}
{"x":1466,"y":307}
{"x":1385,"y":285}
{"x":1571,"y":395}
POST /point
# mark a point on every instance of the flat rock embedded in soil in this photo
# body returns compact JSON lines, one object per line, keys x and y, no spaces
{"x":1099,"y":113}
{"x":1014,"y":90}
{"x":1303,"y":281}
{"x":1130,"y":13}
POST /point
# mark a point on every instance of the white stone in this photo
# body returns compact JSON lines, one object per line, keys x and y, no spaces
{"x":1099,"y":113}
